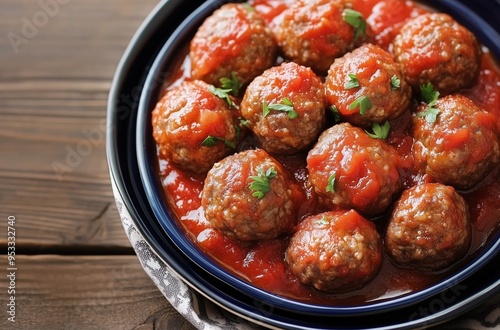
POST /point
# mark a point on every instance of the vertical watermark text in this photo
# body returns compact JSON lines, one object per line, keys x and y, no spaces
{"x":11,"y":268}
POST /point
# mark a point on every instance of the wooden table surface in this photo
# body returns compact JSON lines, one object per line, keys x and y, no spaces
{"x":74,"y":267}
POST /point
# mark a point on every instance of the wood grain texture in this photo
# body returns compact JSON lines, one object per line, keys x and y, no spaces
{"x":87,"y":292}
{"x":58,"y":61}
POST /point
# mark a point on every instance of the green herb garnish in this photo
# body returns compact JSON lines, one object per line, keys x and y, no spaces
{"x":355,"y":19}
{"x":286,"y":106}
{"x":352,"y":83}
{"x":395,"y":82}
{"x":363,"y":103}
{"x":380,"y":131}
{"x":223,"y":93}
{"x":210,"y":141}
{"x":430,"y":114}
{"x":336,"y":113}
{"x":429,"y":95}
{"x":323,"y":221}
{"x":330,"y":187}
{"x":231,"y":84}
{"x":244,"y":122}
{"x":261,"y":183}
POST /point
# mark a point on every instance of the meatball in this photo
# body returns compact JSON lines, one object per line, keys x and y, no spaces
{"x":247,"y":196}
{"x":434,"y":48}
{"x":369,"y":73}
{"x":348,"y":168}
{"x":285,"y":108}
{"x":186,"y":119}
{"x":335,"y":251}
{"x":460,"y":147}
{"x":234,"y":39}
{"x":429,"y":227}
{"x":313,"y":33}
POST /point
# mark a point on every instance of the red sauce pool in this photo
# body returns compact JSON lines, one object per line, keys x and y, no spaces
{"x":262,"y":263}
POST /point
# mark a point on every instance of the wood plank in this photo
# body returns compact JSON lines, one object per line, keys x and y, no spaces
{"x":58,"y":61}
{"x":76,"y":39}
{"x":85,"y":292}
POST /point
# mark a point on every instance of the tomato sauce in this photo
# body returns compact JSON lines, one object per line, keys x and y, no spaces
{"x":262,"y":263}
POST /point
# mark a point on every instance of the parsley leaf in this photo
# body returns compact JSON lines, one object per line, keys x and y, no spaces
{"x":363,"y":103}
{"x":336,"y":113}
{"x":223,"y":93}
{"x":380,"y":131}
{"x":429,"y":95}
{"x":286,"y":106}
{"x":231,"y":84}
{"x":261,"y":183}
{"x":323,"y":221}
{"x":395,"y":82}
{"x":330,"y":187}
{"x":244,"y":122}
{"x":430,"y":114}
{"x":352,"y":83}
{"x":355,"y":19}
{"x":210,"y":141}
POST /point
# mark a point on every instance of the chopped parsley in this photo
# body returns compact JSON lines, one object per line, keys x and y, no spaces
{"x":231,"y":84}
{"x":429,"y":96}
{"x":380,"y":131}
{"x":261,"y":183}
{"x":210,"y":141}
{"x":430,"y":114}
{"x":223,"y":93}
{"x":363,"y":103}
{"x":286,"y":106}
{"x":244,"y":122}
{"x":395,"y":82}
{"x":355,"y":19}
{"x":352,"y":83}
{"x":323,"y":221}
{"x":336,"y":113}
{"x":330,"y":187}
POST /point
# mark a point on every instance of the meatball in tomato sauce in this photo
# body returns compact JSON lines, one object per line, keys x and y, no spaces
{"x":193,"y":128}
{"x":458,"y":147}
{"x":233,"y":40}
{"x":314,"y":33}
{"x":368,"y":73}
{"x":349,"y":169}
{"x":429,"y":227}
{"x":434,"y":48}
{"x":335,"y":251}
{"x":285,"y":108}
{"x":247,"y":196}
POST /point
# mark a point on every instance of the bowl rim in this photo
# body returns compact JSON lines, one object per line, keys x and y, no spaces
{"x":117,"y":171}
{"x":156,"y":199}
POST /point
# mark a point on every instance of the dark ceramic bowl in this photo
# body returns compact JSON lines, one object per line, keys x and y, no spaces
{"x":134,"y":169}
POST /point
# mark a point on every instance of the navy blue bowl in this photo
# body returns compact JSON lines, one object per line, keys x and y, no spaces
{"x":146,"y":62}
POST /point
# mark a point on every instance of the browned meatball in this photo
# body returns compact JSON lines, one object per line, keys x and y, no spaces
{"x":460,"y":147}
{"x":429,"y":227}
{"x":233,"y":39}
{"x":434,"y":48}
{"x":236,"y":201}
{"x":352,"y":170}
{"x":184,"y":118}
{"x":285,"y":108}
{"x":313,"y":33}
{"x":335,"y":251}
{"x":367,"y":72}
